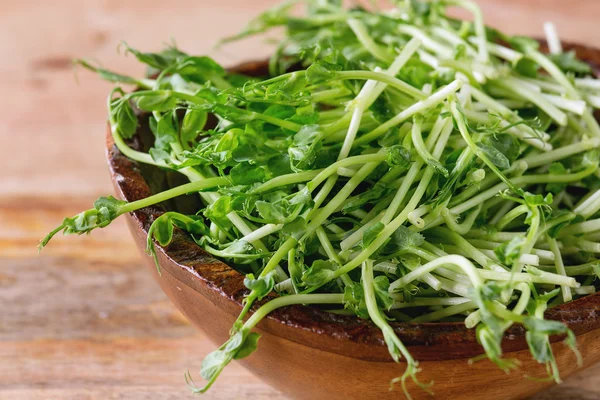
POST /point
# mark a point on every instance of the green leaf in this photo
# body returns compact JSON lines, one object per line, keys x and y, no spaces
{"x":526,"y":67}
{"x":105,"y":210}
{"x":240,"y":345}
{"x":155,"y":60}
{"x":509,"y":252}
{"x":217,"y":212}
{"x":368,"y":197}
{"x":568,"y":62}
{"x":105,"y":74}
{"x":247,"y":174}
{"x":354,"y":300}
{"x":547,"y":327}
{"x":537,"y":200}
{"x":539,"y":346}
{"x":213,"y":364}
{"x":163,"y":231}
{"x":295,"y":229}
{"x":192,"y":125}
{"x":555,"y":227}
{"x":248,"y":346}
{"x":302,"y":196}
{"x":229,"y":141}
{"x":491,"y":341}
{"x":279,"y":165}
{"x":304,"y":150}
{"x":319,"y":72}
{"x":165,"y":131}
{"x":398,"y":156}
{"x":420,"y":8}
{"x":157,"y":101}
{"x":305,"y":115}
{"x":506,"y":144}
{"x":596,"y":269}
{"x":495,"y":156}
{"x":371,"y":233}
{"x":437,"y":167}
{"x":194,"y":225}
{"x":199,"y":68}
{"x":319,"y":273}
{"x":233,"y":114}
{"x":271,"y":212}
{"x":239,"y":247}
{"x":523,"y":43}
{"x":381,"y":285}
{"x":110,"y":204}
{"x":460,"y":52}
{"x":418,"y":74}
{"x":556,"y":168}
{"x":160,"y":156}
{"x":280,"y":111}
{"x":260,"y":286}
{"x":402,"y":239}
{"x":125,"y":120}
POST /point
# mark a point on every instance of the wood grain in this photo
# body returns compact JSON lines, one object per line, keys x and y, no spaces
{"x":84,"y":320}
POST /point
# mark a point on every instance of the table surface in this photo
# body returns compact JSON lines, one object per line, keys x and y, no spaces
{"x":84,"y":320}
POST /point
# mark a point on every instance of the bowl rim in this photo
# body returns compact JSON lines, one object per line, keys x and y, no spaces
{"x":310,"y":326}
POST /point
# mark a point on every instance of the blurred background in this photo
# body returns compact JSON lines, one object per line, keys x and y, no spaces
{"x":84,"y":320}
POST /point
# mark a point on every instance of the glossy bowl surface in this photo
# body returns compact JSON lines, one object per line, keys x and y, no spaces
{"x":312,"y":354}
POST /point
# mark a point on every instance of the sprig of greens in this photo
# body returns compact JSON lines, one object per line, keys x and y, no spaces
{"x":395,"y":159}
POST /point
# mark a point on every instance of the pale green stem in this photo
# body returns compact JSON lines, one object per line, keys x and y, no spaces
{"x":416,"y":108}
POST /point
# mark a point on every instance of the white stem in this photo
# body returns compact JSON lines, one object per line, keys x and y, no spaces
{"x":552,"y":38}
{"x":593,"y":100}
{"x":428,"y":43}
{"x":407,"y":52}
{"x":284,"y":286}
{"x":429,"y":301}
{"x":459,"y":261}
{"x":575,"y":106}
{"x":548,"y":158}
{"x":588,"y":83}
{"x":365,"y":39}
{"x":472,"y":7}
{"x":530,"y":259}
{"x":441,"y":130}
{"x":585,"y":290}
{"x":582,"y":227}
{"x":560,"y":268}
{"x":521,"y":90}
{"x":499,"y":51}
{"x":589,"y":206}
{"x":414,"y":217}
{"x":347,"y":172}
{"x":261,"y":232}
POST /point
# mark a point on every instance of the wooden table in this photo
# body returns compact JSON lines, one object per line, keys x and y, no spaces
{"x":84,"y":320}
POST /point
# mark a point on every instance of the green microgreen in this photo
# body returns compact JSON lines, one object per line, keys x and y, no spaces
{"x":393,"y":159}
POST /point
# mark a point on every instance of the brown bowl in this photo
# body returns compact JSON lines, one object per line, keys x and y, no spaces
{"x":309,"y":353}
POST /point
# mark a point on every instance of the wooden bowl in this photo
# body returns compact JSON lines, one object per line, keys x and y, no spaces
{"x":308,"y":353}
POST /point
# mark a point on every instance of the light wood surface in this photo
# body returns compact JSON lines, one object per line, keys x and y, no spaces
{"x":84,"y":320}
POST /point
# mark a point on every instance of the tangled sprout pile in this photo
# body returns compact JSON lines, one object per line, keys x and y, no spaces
{"x":396,"y":165}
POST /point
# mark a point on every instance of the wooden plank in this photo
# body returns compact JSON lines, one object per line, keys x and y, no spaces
{"x":84,"y":320}
{"x":104,"y":367}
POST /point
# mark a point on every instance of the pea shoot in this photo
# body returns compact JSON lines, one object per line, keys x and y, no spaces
{"x":393,"y":160}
